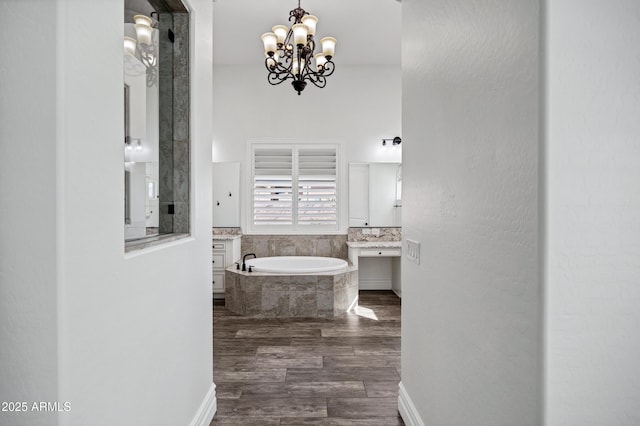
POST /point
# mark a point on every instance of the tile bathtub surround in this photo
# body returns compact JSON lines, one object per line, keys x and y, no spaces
{"x":296,"y":245}
{"x":386,"y":234}
{"x":290,"y":296}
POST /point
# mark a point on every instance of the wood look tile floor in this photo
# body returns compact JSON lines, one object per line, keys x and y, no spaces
{"x":339,"y":371}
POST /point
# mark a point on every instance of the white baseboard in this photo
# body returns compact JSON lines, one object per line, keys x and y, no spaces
{"x":398,"y":292}
{"x":407,"y":409}
{"x":207,"y":409}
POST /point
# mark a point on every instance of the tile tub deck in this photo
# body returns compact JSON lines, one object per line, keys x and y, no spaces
{"x":276,"y":295}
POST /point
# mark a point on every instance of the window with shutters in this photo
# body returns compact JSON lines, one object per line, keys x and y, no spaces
{"x":294,"y":188}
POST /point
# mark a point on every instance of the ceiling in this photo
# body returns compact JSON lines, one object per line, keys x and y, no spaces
{"x":368,"y":31}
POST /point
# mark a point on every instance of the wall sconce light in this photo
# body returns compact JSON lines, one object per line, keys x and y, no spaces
{"x":395,"y":141}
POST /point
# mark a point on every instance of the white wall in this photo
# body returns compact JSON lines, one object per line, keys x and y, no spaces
{"x":126,"y":339}
{"x":471,"y":323}
{"x":593,"y":220}
{"x":358,"y":107}
{"x":28,"y":267}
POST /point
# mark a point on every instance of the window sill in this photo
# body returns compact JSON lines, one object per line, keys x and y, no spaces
{"x":156,"y":240}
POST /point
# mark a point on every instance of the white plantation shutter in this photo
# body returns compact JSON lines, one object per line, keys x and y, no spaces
{"x":317,"y":196}
{"x":273,"y":186}
{"x":295,"y":187}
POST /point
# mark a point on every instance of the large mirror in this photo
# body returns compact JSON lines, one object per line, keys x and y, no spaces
{"x":141,"y":139}
{"x":375,"y":194}
{"x":156,"y":152}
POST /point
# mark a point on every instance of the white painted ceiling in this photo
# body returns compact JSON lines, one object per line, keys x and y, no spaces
{"x":368,"y":31}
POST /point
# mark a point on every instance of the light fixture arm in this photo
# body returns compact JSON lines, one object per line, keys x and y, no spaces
{"x":395,"y":141}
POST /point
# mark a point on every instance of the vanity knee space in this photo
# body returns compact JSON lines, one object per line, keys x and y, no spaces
{"x":378,"y":264}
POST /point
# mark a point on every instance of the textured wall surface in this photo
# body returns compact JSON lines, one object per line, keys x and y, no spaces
{"x":470,"y":310}
{"x":28,"y":270}
{"x":593,"y":213}
{"x":128,"y":336}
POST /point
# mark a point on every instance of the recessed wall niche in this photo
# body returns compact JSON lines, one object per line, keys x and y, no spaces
{"x":165,"y":140}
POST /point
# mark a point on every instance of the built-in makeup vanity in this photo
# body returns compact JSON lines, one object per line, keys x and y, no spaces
{"x":378,"y":249}
{"x":375,"y":239}
{"x":378,"y":262}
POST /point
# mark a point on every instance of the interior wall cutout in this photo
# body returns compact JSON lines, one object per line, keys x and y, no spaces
{"x":157,"y":117}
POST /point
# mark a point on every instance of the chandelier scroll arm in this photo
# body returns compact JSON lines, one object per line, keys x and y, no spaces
{"x":316,"y":79}
{"x":328,"y":69}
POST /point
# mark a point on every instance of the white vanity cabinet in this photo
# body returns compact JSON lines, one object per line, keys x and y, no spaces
{"x":225,"y":253}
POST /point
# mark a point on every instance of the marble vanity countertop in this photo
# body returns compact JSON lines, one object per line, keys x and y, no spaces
{"x":225,"y":237}
{"x":374,"y":244}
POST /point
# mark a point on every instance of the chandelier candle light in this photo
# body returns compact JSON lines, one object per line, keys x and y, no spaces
{"x":290,"y":52}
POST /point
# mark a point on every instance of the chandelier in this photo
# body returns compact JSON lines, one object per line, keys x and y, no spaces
{"x":290,"y":52}
{"x":142,"y":47}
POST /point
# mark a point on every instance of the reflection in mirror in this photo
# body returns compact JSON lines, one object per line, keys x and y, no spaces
{"x":156,"y":152}
{"x":141,"y":120}
{"x":375,"y":194}
{"x":399,"y":186}
{"x":384,"y":208}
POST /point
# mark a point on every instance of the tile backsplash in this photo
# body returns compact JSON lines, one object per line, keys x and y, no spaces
{"x":295,"y":245}
{"x":366,"y":234}
{"x":226,"y":231}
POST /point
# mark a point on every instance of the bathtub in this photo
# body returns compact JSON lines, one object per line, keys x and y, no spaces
{"x":296,"y":264}
{"x":292,"y":287}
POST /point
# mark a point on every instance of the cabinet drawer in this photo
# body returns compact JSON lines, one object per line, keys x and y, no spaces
{"x":218,"y":261}
{"x":218,"y":282}
{"x":374,"y":252}
{"x":219,"y":246}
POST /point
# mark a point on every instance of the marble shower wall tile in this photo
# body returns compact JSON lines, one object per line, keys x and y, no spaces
{"x":174,"y":117}
{"x":296,"y":245}
{"x":181,"y":170}
{"x":181,"y":217}
{"x":181,"y":44}
{"x":165,"y":219}
{"x":165,"y":59}
{"x":181,"y":108}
